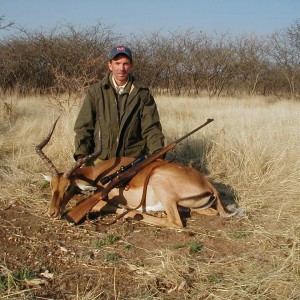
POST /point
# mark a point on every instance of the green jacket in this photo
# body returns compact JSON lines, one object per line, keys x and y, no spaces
{"x":98,"y":126}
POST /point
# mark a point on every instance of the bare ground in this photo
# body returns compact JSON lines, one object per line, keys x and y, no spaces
{"x":48,"y":259}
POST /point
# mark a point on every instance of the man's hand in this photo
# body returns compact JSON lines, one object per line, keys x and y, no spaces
{"x":78,"y":157}
{"x":162,"y":157}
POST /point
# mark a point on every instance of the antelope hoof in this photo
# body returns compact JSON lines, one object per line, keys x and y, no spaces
{"x":54,"y":215}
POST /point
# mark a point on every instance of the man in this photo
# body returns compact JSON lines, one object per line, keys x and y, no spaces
{"x":119,"y":114}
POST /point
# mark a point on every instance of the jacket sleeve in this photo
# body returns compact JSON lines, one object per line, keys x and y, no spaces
{"x":84,"y":126}
{"x":151,"y":126}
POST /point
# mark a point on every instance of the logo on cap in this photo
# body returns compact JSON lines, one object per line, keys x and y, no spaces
{"x":121,"y":48}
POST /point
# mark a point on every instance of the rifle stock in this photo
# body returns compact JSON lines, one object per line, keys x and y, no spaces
{"x":82,"y":209}
{"x":79,"y":211}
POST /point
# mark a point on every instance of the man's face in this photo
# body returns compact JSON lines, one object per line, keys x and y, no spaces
{"x":120,"y":67}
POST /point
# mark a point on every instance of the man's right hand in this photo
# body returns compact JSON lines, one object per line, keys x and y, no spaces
{"x":80,"y":156}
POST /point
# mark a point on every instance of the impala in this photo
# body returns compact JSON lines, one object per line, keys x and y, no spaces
{"x":162,"y":186}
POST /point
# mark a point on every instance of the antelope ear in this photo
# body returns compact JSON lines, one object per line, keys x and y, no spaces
{"x":85,"y":186}
{"x":47,"y":177}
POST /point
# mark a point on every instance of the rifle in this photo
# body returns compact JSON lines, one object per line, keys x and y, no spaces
{"x":121,"y":178}
{"x":110,"y":177}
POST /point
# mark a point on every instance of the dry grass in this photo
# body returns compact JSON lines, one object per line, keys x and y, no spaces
{"x":252,"y":148}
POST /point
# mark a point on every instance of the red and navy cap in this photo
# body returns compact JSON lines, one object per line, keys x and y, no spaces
{"x":120,"y":50}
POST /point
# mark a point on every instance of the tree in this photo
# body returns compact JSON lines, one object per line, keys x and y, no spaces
{"x":252,"y":63}
{"x":5,"y":25}
{"x":285,"y":50}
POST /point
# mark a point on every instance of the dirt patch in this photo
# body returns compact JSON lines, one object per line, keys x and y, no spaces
{"x":104,"y":262}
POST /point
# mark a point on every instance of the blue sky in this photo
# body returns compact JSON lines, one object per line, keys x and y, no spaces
{"x":143,"y":16}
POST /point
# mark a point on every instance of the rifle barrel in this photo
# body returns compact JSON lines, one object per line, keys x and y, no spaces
{"x":193,"y":131}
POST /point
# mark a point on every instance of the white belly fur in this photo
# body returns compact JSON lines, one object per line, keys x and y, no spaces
{"x":156,"y":207}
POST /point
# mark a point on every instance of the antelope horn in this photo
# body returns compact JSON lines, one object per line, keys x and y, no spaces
{"x":80,"y":162}
{"x":43,"y":156}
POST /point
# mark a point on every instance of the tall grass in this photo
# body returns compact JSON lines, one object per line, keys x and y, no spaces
{"x":252,"y":145}
{"x":252,"y":148}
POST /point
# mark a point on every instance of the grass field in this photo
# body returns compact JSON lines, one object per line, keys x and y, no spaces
{"x":250,"y":152}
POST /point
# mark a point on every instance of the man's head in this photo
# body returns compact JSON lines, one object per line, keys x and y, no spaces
{"x":120,"y":64}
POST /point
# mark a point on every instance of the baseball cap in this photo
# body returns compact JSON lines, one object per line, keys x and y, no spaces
{"x":120,"y":50}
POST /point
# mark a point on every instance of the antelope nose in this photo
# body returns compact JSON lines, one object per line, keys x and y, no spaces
{"x":52,"y":213}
